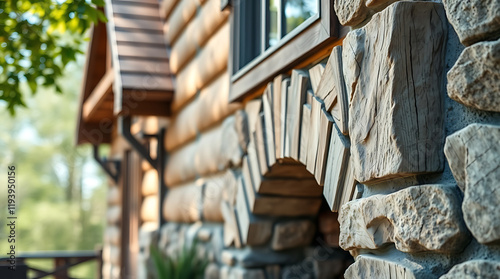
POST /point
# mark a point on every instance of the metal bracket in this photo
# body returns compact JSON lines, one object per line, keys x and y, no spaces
{"x":158,"y":163}
{"x":104,"y":163}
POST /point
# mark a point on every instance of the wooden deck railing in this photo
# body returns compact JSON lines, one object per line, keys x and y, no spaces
{"x":63,"y":261}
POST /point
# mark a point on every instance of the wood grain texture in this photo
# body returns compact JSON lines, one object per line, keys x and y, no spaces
{"x":181,"y":16}
{"x":325,"y":125}
{"x":336,"y":168}
{"x":285,"y":84}
{"x":208,"y":64}
{"x":305,"y":132}
{"x":268,"y":125}
{"x":400,"y":107}
{"x":231,"y":229}
{"x":254,"y":230}
{"x":215,"y":150}
{"x":314,"y":128}
{"x":209,"y":109}
{"x":332,"y":91}
{"x":277,"y":107}
{"x":182,"y":204}
{"x":298,"y":86}
{"x":315,"y":74}
{"x":167,"y":7}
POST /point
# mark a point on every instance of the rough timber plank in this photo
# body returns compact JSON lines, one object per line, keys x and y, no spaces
{"x":231,"y":229}
{"x":285,"y":86}
{"x":268,"y":127}
{"x":298,"y":96}
{"x":313,"y":141}
{"x":304,"y":132}
{"x":325,"y":124}
{"x":334,"y":91}
{"x":285,"y":206}
{"x":254,"y":230}
{"x":336,"y":168}
{"x":315,"y":74}
{"x":277,"y":115}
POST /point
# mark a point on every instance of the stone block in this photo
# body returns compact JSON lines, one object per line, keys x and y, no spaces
{"x":473,"y":154}
{"x":474,"y":20}
{"x":485,"y":269}
{"x":367,"y":266}
{"x":395,"y":88}
{"x":292,"y":234}
{"x":474,"y":80}
{"x":212,"y":271}
{"x":351,"y":12}
{"x":415,"y":219}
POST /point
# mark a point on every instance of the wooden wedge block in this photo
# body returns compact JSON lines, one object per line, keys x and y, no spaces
{"x":326,"y":122}
{"x":231,"y":230}
{"x":304,"y":132}
{"x":315,"y":74}
{"x":268,"y":125}
{"x":285,"y":85}
{"x":350,"y":186}
{"x":340,"y":108}
{"x":254,"y":230}
{"x":298,"y":85}
{"x":253,"y":109}
{"x":314,"y":128}
{"x":277,"y":112}
{"x":288,"y":169}
{"x":260,"y":144}
{"x":285,"y":206}
{"x":337,"y":165}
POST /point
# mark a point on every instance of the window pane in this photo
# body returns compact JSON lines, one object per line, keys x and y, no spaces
{"x":274,"y":34}
{"x":297,"y":11}
{"x":249,"y":31}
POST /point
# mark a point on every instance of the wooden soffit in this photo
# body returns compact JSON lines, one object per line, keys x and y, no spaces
{"x":127,"y":70}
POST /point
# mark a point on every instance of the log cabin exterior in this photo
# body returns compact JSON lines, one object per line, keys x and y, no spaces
{"x":281,"y":134}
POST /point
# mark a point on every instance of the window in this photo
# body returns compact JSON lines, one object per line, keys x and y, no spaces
{"x":269,"y":37}
{"x":263,"y":24}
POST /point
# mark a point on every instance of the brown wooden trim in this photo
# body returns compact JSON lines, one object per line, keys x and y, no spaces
{"x":321,"y":33}
{"x":98,"y":95}
{"x":281,"y":60}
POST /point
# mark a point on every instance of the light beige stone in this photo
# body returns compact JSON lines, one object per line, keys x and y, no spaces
{"x":395,"y":88}
{"x":415,"y":219}
{"x":474,"y":80}
{"x":474,"y":157}
{"x":351,"y":12}
{"x":292,"y":234}
{"x":245,"y":273}
{"x":211,"y":271}
{"x":474,"y":20}
{"x":485,"y":269}
{"x":368,"y":266}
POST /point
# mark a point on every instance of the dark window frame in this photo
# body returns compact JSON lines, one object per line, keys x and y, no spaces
{"x":314,"y":33}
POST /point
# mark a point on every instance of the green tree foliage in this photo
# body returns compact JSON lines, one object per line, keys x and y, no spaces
{"x":38,"y":38}
{"x":55,"y":208}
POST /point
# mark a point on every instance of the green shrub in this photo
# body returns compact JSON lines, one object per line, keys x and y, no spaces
{"x":183,"y":265}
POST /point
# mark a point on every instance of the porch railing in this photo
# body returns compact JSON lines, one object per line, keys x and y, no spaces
{"x":63,"y":261}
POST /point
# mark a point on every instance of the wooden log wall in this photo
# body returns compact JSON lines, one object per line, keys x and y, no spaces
{"x":202,"y":141}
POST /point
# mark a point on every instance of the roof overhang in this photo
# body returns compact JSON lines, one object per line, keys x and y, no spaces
{"x":127,"y":71}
